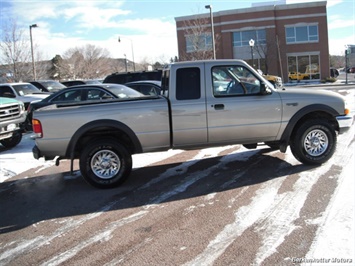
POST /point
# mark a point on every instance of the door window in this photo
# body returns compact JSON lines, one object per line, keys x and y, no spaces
{"x":234,"y":81}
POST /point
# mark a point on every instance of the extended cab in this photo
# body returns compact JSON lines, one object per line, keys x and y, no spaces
{"x":204,"y":103}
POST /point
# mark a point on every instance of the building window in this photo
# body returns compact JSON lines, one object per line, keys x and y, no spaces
{"x":302,"y":34}
{"x":242,"y":38}
{"x":303,"y":67}
{"x":201,"y":42}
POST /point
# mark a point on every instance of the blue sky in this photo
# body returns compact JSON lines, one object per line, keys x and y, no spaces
{"x":144,"y":25}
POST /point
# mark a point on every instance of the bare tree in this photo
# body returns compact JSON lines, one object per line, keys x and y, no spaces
{"x":267,"y":52}
{"x":15,"y":51}
{"x":86,"y":62}
{"x":198,"y":39}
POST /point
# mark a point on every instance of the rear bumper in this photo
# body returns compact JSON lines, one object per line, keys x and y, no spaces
{"x":345,"y":122}
{"x":37,"y":154}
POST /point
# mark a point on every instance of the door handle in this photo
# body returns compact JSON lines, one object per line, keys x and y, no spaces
{"x":218,"y":106}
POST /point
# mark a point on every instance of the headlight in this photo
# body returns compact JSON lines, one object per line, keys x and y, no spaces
{"x":22,"y":107}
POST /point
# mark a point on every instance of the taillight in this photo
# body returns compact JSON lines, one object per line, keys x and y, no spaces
{"x":37,"y":128}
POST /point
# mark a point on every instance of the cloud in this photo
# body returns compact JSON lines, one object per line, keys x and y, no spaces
{"x":340,"y":23}
{"x":149,"y":26}
{"x":87,"y":13}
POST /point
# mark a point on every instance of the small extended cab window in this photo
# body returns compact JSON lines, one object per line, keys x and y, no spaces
{"x":188,"y":85}
{"x":234,"y":81}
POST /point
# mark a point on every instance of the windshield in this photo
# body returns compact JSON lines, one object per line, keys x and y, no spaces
{"x":92,"y":81}
{"x":53,"y":86}
{"x":123,"y":91}
{"x":25,"y":89}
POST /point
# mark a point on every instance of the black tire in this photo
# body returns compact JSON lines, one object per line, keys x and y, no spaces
{"x":13,"y":141}
{"x":105,"y":164}
{"x":314,"y":142}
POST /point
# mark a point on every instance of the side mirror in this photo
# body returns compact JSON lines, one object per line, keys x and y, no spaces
{"x":264,"y":89}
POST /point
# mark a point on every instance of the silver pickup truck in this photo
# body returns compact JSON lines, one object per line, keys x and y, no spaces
{"x":203,"y":104}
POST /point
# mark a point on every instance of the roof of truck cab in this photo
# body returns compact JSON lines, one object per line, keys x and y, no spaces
{"x":14,"y":83}
{"x":208,"y":61}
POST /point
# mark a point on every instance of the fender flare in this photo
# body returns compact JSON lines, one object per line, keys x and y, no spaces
{"x":137,"y":147}
{"x":286,"y":135}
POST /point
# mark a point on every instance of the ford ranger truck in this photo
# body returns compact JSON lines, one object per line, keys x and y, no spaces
{"x":12,"y":117}
{"x":203,"y":104}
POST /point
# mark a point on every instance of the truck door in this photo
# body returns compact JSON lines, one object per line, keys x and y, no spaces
{"x":237,"y":112}
{"x":188,"y":106}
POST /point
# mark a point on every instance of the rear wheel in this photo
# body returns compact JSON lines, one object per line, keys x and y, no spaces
{"x":13,"y":141}
{"x":314,"y":142}
{"x":105,"y":164}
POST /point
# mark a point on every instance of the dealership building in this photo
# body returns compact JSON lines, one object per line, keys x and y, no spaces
{"x":280,"y":39}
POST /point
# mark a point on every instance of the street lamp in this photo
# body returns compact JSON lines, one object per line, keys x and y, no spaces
{"x":125,"y":62}
{"x":33,"y":60}
{"x":251,"y":44}
{"x":134,"y":66}
{"x":212,"y":30}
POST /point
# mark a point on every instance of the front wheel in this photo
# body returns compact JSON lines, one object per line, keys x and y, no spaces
{"x":314,"y":142}
{"x":13,"y":141}
{"x":105,"y":164}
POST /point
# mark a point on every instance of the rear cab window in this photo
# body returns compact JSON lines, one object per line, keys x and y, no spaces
{"x":188,"y":85}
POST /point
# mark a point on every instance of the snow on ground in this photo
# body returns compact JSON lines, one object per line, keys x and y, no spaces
{"x":334,"y":243}
{"x":19,"y":159}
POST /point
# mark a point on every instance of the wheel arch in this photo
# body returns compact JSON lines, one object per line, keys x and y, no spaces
{"x":103,"y":128}
{"x":304,"y":114}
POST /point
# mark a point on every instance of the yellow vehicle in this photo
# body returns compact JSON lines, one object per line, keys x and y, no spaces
{"x":312,"y":71}
{"x":274,"y":80}
{"x":298,"y":76}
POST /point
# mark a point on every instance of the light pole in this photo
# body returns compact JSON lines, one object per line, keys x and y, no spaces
{"x":33,"y":60}
{"x":134,"y":66}
{"x":251,"y":44}
{"x":212,"y":30}
{"x":125,"y":62}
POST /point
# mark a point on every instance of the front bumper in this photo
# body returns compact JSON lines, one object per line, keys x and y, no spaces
{"x":8,"y":130}
{"x":345,"y":122}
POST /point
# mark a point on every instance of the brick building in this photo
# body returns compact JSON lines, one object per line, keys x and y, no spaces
{"x":287,"y":38}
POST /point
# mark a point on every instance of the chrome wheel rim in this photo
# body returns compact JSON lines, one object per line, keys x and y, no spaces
{"x":105,"y":164}
{"x":316,"y":142}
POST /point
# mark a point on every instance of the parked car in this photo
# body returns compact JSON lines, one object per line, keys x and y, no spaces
{"x":334,"y":73}
{"x":24,"y":92}
{"x":12,"y":118}
{"x":297,"y":76}
{"x":80,"y":93}
{"x":123,"y":78}
{"x":146,"y":87}
{"x":274,"y":80}
{"x":351,"y":69}
{"x":70,"y":83}
{"x":48,"y":85}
